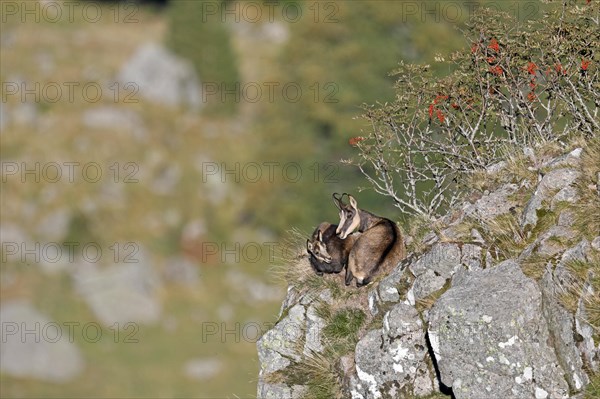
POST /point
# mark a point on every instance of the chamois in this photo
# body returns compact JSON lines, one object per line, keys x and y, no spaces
{"x":328,"y":253}
{"x":380,"y":245}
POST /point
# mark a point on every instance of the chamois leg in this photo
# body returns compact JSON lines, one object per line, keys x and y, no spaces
{"x":349,"y":276}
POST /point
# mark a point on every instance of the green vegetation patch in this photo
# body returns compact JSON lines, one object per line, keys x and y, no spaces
{"x":592,"y":391}
{"x":345,"y":323}
{"x":204,"y":39}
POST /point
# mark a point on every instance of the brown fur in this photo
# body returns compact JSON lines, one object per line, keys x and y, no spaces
{"x":380,"y":246}
{"x":328,"y":253}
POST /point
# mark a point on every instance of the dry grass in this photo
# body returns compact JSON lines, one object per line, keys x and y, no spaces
{"x":535,"y":265}
{"x":587,"y":209}
{"x":318,"y":372}
{"x":503,"y":235}
{"x":294,"y":269}
{"x":417,"y":228}
{"x":519,"y":167}
{"x":430,"y":300}
{"x":584,"y":286}
{"x":592,"y":391}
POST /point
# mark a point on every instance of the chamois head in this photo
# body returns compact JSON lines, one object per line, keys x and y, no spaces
{"x":349,"y":215}
{"x":318,"y":249}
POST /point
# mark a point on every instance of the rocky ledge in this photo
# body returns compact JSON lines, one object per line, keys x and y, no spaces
{"x":500,"y":299}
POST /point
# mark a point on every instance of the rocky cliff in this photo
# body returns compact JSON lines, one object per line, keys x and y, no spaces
{"x":499,"y":299}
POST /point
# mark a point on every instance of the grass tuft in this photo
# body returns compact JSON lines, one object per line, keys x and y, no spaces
{"x":592,"y":391}
{"x":534,"y":266}
{"x":344,"y":323}
{"x":503,"y":234}
{"x":317,"y":372}
{"x":418,"y":227}
{"x":428,"y":302}
{"x":587,"y":210}
{"x":293,"y":268}
{"x":584,"y":285}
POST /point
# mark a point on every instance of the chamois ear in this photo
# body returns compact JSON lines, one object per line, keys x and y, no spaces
{"x":353,"y":202}
{"x":308,"y":245}
{"x":320,"y":236}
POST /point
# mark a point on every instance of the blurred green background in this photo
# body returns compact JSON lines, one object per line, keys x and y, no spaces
{"x":199,"y":189}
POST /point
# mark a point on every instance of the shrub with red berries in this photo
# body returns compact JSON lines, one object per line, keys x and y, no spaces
{"x":516,"y":84}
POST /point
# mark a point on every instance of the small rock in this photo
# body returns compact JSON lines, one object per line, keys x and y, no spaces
{"x":556,"y":179}
{"x":566,"y":219}
{"x":25,"y":114}
{"x":291,"y":299}
{"x":596,"y":243}
{"x":54,"y":226}
{"x":495,"y":168}
{"x":280,"y":391}
{"x":471,"y":256}
{"x":530,"y":153}
{"x":388,"y":287}
{"x":114,"y":118}
{"x":123,"y":293}
{"x":430,"y":238}
{"x":181,"y":270}
{"x":43,"y":353}
{"x":443,"y":259}
{"x":547,"y":244}
{"x":477,"y":237}
{"x":374,"y":301}
{"x":567,"y":194}
{"x":347,"y":364}
{"x":202,"y":369}
{"x":426,"y":284}
{"x":314,"y":326}
{"x":570,"y":159}
{"x":530,"y":217}
{"x":494,"y":204}
{"x":162,"y":77}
